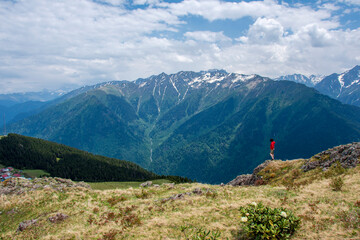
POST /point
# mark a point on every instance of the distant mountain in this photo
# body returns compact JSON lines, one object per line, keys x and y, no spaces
{"x":310,"y":81}
{"x":210,"y":126}
{"x":8,"y":100}
{"x":344,"y":87}
{"x":17,"y":106}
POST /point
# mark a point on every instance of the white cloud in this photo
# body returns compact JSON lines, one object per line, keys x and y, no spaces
{"x":114,"y":2}
{"x":143,"y":2}
{"x":49,"y":44}
{"x":318,"y":37}
{"x":353,"y":2}
{"x":265,"y":31}
{"x":207,"y":36}
{"x":290,"y":18}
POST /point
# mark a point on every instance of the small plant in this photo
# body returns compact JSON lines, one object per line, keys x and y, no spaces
{"x":211,"y":194}
{"x":143,"y":194}
{"x":195,"y":233}
{"x":114,"y":200}
{"x":336,"y":184}
{"x":130,"y":220}
{"x":259,"y":182}
{"x":350,"y":218}
{"x":335,"y":170}
{"x":111,"y":235}
{"x":260,"y":222}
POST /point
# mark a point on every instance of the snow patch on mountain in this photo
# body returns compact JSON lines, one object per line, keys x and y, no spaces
{"x":309,"y":81}
{"x":242,"y":78}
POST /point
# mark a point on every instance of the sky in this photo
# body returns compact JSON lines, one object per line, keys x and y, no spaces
{"x":65,"y":44}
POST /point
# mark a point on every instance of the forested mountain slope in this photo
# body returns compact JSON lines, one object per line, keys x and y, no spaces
{"x":210,"y":126}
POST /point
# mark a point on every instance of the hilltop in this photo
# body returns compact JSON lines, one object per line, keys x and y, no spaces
{"x":325,"y":199}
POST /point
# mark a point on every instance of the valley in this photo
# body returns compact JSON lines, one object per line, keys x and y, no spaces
{"x":210,"y":126}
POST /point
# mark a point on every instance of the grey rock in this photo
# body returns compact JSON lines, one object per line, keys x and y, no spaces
{"x":25,"y":224}
{"x":249,"y":179}
{"x":197,"y":191}
{"x":19,"y":185}
{"x":58,"y":218}
{"x":146,"y":184}
{"x":347,"y":155}
{"x":175,"y":197}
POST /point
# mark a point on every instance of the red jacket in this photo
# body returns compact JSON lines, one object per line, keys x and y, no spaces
{"x":272,"y":145}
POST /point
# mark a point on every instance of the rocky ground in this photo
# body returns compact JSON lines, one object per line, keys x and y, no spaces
{"x":346,"y":155}
{"x":20,"y":185}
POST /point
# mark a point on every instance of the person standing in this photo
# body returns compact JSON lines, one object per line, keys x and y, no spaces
{"x":272,"y":148}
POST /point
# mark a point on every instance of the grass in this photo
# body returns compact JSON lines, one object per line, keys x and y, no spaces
{"x":121,"y":185}
{"x":33,"y":173}
{"x":142,"y":213}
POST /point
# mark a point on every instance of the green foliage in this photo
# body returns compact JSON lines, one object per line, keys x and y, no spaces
{"x":34,"y":173}
{"x":32,"y":153}
{"x":335,"y":170}
{"x":260,"y":222}
{"x":176,"y":179}
{"x":199,"y":233}
{"x":336,"y":184}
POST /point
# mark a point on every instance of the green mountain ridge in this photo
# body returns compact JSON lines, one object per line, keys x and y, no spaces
{"x":208,"y":126}
{"x":62,"y":161}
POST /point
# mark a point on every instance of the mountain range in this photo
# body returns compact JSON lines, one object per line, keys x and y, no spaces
{"x":210,"y":126}
{"x":17,"y":106}
{"x":344,"y":87}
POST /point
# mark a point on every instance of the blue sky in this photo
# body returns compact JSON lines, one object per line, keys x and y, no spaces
{"x":57,"y":44}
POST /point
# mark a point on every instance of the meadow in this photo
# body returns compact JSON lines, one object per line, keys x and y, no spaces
{"x":185,"y":211}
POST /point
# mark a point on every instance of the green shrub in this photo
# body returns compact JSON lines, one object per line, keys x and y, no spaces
{"x":335,"y":170}
{"x":260,"y":222}
{"x":196,"y":233}
{"x":336,"y":184}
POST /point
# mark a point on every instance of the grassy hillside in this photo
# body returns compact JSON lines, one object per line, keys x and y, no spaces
{"x":62,"y":161}
{"x":149,"y":213}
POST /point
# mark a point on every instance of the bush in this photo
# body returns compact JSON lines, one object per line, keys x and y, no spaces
{"x":260,"y":222}
{"x":198,"y":233}
{"x":336,"y":184}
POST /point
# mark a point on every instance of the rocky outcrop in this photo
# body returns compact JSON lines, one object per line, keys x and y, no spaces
{"x":26,"y":224}
{"x":249,"y":179}
{"x":20,"y":185}
{"x":146,"y":184}
{"x":347,"y":155}
{"x":59,"y":217}
{"x":196,"y":191}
